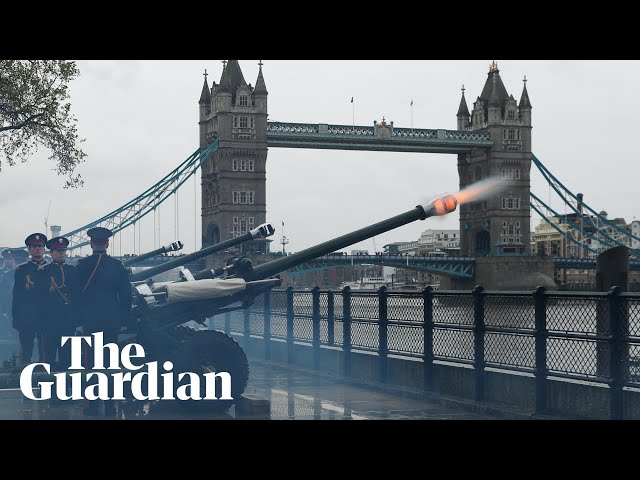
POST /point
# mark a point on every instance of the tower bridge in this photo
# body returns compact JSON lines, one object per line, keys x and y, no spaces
{"x":492,"y":139}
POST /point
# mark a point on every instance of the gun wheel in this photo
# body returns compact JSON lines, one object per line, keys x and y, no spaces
{"x":210,"y":351}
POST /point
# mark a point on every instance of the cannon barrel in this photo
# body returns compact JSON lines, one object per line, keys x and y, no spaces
{"x":264,"y":230}
{"x":440,"y":206}
{"x":172,"y":247}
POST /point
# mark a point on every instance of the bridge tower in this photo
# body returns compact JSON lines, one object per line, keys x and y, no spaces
{"x":496,"y":231}
{"x":499,"y":225}
{"x":234,"y":178}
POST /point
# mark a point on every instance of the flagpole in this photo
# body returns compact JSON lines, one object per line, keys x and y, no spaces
{"x":412,"y":115}
{"x":353,"y":114}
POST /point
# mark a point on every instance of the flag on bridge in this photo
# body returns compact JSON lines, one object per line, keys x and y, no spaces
{"x":412,"y":102}
{"x":351,"y":99}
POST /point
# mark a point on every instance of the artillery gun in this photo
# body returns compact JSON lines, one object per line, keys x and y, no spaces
{"x":161,"y":310}
{"x":172,"y":247}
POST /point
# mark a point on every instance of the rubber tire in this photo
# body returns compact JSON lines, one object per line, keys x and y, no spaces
{"x":214,"y":348}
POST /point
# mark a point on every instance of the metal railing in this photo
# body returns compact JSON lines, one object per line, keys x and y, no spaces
{"x":584,"y":336}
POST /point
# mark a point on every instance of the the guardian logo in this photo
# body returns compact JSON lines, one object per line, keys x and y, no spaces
{"x":95,"y":384}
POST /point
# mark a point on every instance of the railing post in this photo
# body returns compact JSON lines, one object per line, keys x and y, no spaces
{"x":289,"y":324}
{"x":427,"y":328}
{"x":227,"y":323}
{"x":540,"y":335}
{"x":346,"y":329}
{"x":246,"y":330}
{"x":267,"y":325}
{"x":615,"y":350}
{"x":383,"y":333}
{"x":478,"y":337}
{"x":330,"y":319}
{"x":315,"y":319}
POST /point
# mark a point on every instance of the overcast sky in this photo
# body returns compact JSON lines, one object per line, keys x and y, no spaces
{"x":140,"y":118}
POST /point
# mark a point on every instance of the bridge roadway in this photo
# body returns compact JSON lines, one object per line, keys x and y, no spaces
{"x":463,"y":267}
{"x":293,"y":394}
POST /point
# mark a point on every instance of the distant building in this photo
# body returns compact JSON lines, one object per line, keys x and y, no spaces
{"x":409,"y":248}
{"x":563,"y":236}
{"x":393,"y":248}
{"x":439,"y":241}
{"x":551,"y":239}
{"x":634,"y":228}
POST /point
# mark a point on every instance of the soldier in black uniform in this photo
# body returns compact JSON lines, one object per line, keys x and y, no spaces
{"x":28,"y":294}
{"x":8,"y":263}
{"x":104,"y":297}
{"x":12,"y":258}
{"x":58,"y":318}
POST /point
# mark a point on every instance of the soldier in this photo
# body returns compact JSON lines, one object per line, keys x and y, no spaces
{"x":8,"y":260}
{"x":104,"y":297}
{"x":28,"y":295}
{"x":58,"y":318}
{"x":12,"y":258}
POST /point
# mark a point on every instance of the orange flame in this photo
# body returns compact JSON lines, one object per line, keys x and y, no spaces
{"x":445,"y":204}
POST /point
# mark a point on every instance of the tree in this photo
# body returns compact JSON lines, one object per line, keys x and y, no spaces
{"x":35,"y":111}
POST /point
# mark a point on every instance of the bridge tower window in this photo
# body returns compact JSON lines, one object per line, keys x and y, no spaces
{"x":243,"y":101}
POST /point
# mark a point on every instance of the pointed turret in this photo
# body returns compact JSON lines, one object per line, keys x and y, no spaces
{"x":261,"y":87}
{"x":524,"y":98}
{"x":260,"y":94}
{"x":463,"y":113}
{"x":525,"y":105}
{"x":494,"y":103}
{"x":224,"y":78}
{"x":205,"y":96}
{"x":231,"y":76}
{"x":205,"y":99}
{"x":494,"y":82}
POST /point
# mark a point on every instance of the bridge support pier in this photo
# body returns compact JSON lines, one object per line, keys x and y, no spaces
{"x":507,"y":273}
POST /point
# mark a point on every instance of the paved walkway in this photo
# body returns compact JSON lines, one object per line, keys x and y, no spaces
{"x":291,"y":393}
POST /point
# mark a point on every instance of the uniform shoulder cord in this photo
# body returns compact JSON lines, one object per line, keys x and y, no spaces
{"x":93,"y":273}
{"x":55,"y":286}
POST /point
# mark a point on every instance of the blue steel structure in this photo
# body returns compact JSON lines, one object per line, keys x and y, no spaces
{"x":450,"y":266}
{"x":145,"y":203}
{"x":377,"y":138}
{"x":462,"y":267}
{"x":600,"y":232}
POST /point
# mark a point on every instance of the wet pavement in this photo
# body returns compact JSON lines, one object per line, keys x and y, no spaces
{"x":274,"y":392}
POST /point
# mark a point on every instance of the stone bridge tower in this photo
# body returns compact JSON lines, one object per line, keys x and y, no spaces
{"x":496,"y":231}
{"x":234,"y":177}
{"x":499,"y":225}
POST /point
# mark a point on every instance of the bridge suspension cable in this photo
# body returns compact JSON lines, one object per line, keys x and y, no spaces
{"x":145,"y":203}
{"x":538,"y":204}
{"x":603,"y":231}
